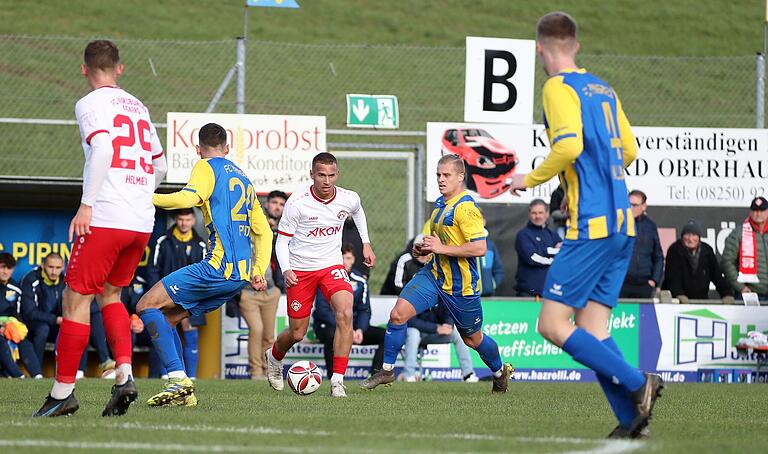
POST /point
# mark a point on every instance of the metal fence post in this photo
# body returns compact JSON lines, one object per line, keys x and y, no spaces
{"x":421,"y":156}
{"x":760,"y":92}
{"x":240,"y":63}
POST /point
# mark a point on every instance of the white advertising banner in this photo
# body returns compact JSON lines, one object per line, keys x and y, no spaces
{"x":274,"y":151}
{"x":706,"y":167}
{"x":700,"y":337}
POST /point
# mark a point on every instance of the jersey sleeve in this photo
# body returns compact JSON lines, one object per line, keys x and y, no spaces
{"x":200,"y":184}
{"x":562,"y":109}
{"x":261,"y":237}
{"x":470,"y":221}
{"x":289,"y":221}
{"x":91,"y":119}
{"x":627,"y":136}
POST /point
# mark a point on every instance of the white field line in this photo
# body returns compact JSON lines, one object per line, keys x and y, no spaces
{"x":600,"y":446}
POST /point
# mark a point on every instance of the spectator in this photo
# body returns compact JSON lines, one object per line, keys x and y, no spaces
{"x":274,"y":211}
{"x":691,"y":266}
{"x":647,"y":265}
{"x":41,"y":294}
{"x":435,"y":326}
{"x":745,"y":263}
{"x":259,"y":309}
{"x":363,"y":333}
{"x":10,"y":305}
{"x":558,"y":211}
{"x":403,"y":268}
{"x":178,"y":247}
{"x":536,"y":247}
{"x":491,"y":268}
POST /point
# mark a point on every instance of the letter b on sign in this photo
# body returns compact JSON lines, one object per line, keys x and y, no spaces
{"x":499,"y":80}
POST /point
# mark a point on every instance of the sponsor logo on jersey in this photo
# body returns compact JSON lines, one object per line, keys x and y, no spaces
{"x":342,"y":215}
{"x":313,"y":218}
{"x":319,"y":232}
{"x":295,"y":305}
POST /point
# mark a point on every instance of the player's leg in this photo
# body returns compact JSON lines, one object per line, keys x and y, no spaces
{"x":300,"y":298}
{"x":190,"y":350}
{"x":488,"y":350}
{"x":326,"y":334}
{"x":341,"y":303}
{"x":98,"y":339}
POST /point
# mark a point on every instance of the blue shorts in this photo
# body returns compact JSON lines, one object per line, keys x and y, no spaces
{"x":589,"y":270}
{"x":199,"y":288}
{"x":423,"y":292}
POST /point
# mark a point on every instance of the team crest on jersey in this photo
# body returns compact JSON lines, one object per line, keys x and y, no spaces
{"x":295,"y":305}
{"x":10,"y":296}
{"x":342,"y":215}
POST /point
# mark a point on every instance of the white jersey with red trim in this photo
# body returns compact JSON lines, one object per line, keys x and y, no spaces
{"x":125,"y":198}
{"x":315,"y":227}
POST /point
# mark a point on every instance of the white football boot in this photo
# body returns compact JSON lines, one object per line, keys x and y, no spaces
{"x":274,"y":371}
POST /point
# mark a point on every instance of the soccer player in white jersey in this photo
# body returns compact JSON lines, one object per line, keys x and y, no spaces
{"x":124,"y":164}
{"x":308,"y":249}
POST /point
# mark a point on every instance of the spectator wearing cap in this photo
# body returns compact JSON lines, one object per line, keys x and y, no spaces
{"x":647,"y":265}
{"x":692,"y":265}
{"x":745,"y":256}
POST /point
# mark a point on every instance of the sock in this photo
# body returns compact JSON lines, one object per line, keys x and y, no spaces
{"x":622,"y":405}
{"x":122,"y":372}
{"x":73,"y":338}
{"x":589,"y":351}
{"x":177,"y":344}
{"x":117,"y":325}
{"x":393,"y":343}
{"x":62,"y":390}
{"x":489,"y":353}
{"x":340,"y":365}
{"x":161,"y":334}
{"x":276,"y":354}
{"x":179,"y":374}
{"x":190,"y":352}
{"x":337,"y":378}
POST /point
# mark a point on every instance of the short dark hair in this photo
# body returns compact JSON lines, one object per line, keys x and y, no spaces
{"x":347,"y":247}
{"x":184,"y":212}
{"x":276,"y":193}
{"x":7,"y":260}
{"x":558,"y":25}
{"x":324,"y":158}
{"x":212,"y":136}
{"x":638,"y":193}
{"x":101,"y":54}
{"x":53,"y":255}
{"x":535,"y":202}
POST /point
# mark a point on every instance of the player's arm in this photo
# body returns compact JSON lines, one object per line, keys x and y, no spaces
{"x":261,"y":236}
{"x":358,"y":215}
{"x":470,"y":222}
{"x":563,"y":111}
{"x":628,"y":142}
{"x":197,"y":190}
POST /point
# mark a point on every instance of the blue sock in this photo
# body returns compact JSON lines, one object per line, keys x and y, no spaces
{"x":179,"y":349}
{"x":393,"y":342}
{"x":622,"y":405}
{"x":162,"y":336}
{"x":586,"y":349}
{"x":190,"y":352}
{"x":489,"y":353}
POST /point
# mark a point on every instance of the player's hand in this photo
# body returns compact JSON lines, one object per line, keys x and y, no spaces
{"x":369,"y":258}
{"x":137,"y":325}
{"x":59,"y":320}
{"x":81,"y":223}
{"x":258,"y":283}
{"x":357,"y":336}
{"x":444,"y":329}
{"x":290,"y":278}
{"x":517,"y":184}
{"x":431,"y":243}
{"x":651,"y":283}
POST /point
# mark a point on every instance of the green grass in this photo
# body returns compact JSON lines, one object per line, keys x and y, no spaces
{"x":235,"y":416}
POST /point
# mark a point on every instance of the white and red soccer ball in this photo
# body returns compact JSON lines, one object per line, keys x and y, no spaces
{"x":304,"y":378}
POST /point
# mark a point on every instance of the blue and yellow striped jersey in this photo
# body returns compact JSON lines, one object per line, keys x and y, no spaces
{"x":456,"y":221}
{"x":231,"y":213}
{"x":591,"y":143}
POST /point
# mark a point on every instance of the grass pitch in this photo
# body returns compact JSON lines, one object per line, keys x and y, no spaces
{"x":245,"y":416}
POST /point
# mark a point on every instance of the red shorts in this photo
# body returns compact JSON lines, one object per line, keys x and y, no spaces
{"x":106,"y":255}
{"x":301,"y":296}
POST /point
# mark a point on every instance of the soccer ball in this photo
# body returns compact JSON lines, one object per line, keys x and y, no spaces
{"x":304,"y":378}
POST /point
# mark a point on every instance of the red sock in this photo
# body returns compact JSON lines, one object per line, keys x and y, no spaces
{"x":340,"y":364}
{"x":277,"y":354}
{"x":117,"y":325}
{"x":73,"y":338}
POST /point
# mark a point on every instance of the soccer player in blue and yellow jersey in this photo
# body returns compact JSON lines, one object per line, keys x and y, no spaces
{"x":456,"y":239}
{"x":235,"y":223}
{"x":591,"y":144}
